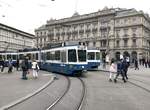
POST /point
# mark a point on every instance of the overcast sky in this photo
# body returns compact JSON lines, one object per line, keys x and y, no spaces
{"x":27,"y":15}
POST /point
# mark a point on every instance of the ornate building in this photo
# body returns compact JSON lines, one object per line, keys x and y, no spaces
{"x":12,"y":39}
{"x":115,"y":31}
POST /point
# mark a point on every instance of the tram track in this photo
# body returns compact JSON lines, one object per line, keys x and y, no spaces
{"x":59,"y":98}
{"x":63,"y":99}
{"x":138,"y":85}
{"x":55,"y":99}
{"x":44,"y":94}
{"x":79,"y":107}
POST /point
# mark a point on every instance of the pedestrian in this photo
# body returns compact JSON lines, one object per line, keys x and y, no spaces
{"x":125,"y":66}
{"x":25,"y":68}
{"x":3,"y":65}
{"x":128,"y":61}
{"x":17,"y":64}
{"x":136,"y":64}
{"x":35,"y":68}
{"x":120,"y":71}
{"x":10,"y":65}
{"x":149,"y":63}
{"x":112,"y":70}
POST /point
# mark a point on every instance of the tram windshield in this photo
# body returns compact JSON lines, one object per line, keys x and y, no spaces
{"x":72,"y":55}
{"x":82,"y":55}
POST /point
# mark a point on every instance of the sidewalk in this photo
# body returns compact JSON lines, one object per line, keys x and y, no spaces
{"x":14,"y":89}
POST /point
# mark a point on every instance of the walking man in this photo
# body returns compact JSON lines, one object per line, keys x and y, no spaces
{"x":25,"y":67}
{"x":3,"y":65}
{"x":120,"y":71}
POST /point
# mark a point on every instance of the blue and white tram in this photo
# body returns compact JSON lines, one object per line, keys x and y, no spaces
{"x":7,"y":56}
{"x":69,"y":60}
{"x":93,"y":59}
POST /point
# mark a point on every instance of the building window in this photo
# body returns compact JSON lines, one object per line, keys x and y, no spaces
{"x":117,"y":21}
{"x":125,"y":20}
{"x":94,"y":44}
{"x":117,"y":33}
{"x":125,"y":31}
{"x":134,"y":30}
{"x":117,"y":43}
{"x":134,"y":42}
{"x":125,"y":42}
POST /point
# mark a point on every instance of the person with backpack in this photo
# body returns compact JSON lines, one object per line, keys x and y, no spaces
{"x":35,"y":68}
{"x":25,"y":68}
{"x":120,"y":71}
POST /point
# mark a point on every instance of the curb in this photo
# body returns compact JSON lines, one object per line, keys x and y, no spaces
{"x":6,"y":107}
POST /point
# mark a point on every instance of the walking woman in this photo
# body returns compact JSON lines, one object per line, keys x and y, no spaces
{"x":112,"y":70}
{"x":35,"y":68}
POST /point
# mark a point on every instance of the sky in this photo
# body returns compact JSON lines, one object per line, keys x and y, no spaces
{"x":28,"y":15}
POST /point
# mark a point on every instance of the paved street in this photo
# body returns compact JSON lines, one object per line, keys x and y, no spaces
{"x":14,"y":88}
{"x":105,"y":95}
{"x":101,"y":94}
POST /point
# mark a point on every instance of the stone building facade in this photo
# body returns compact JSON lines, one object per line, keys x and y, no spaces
{"x":113,"y":31}
{"x":12,"y":39}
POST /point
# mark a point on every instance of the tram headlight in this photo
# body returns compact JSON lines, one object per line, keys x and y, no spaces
{"x":82,"y":66}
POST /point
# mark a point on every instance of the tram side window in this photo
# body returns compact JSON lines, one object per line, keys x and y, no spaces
{"x":48,"y":55}
{"x":36,"y":56}
{"x":63,"y":56}
{"x":14,"y":57}
{"x":43,"y":56}
{"x":57,"y":55}
{"x":97,"y":56}
{"x":29,"y":56}
{"x":72,"y":55}
{"x":52,"y":55}
{"x":4,"y":57}
{"x":21,"y":56}
{"x":8,"y":57}
{"x":91,"y":56}
{"x":82,"y":55}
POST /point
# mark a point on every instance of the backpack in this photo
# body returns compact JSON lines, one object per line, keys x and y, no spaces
{"x":23,"y":65}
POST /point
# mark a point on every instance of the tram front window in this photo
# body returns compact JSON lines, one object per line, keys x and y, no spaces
{"x":72,"y":55}
{"x":82,"y":55}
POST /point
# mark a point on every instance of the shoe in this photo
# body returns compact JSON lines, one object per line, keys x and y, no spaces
{"x":124,"y":81}
{"x":110,"y":80}
{"x":115,"y":81}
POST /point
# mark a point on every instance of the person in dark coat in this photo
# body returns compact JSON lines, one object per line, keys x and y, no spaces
{"x":125,"y":68}
{"x":25,"y":68}
{"x":120,"y":71}
{"x":17,"y":64}
{"x":136,"y":64}
{"x":3,"y":65}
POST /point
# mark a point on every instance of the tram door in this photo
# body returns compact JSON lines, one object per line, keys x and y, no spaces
{"x":63,"y":60}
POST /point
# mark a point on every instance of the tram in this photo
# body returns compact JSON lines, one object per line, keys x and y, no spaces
{"x":93,"y":59}
{"x":67,"y":59}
